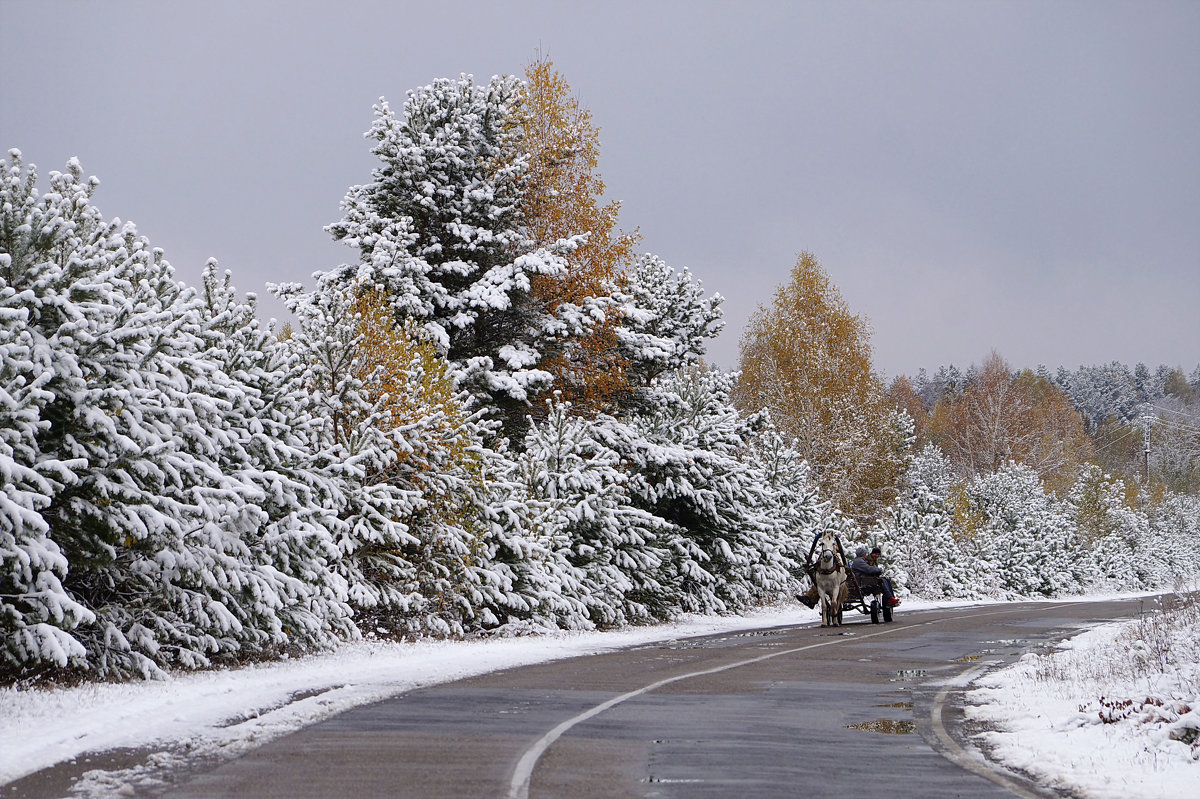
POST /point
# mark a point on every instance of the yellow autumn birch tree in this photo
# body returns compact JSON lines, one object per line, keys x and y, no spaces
{"x":807,"y":359}
{"x":413,"y":390}
{"x":564,"y":198}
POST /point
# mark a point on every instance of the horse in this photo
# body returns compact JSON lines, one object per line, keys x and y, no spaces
{"x":829,"y":575}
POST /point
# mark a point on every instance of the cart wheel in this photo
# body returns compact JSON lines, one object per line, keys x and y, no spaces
{"x":874,"y":611}
{"x":887,"y":613}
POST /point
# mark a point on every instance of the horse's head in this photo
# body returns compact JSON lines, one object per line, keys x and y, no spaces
{"x":827,"y":548}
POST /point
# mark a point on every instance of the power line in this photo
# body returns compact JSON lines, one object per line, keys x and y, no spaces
{"x":1128,"y":433}
{"x":1172,"y":410}
{"x":1174,"y":425}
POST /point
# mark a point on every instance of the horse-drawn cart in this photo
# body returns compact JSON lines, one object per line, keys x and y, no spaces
{"x":837,"y":586}
{"x":865,"y":594}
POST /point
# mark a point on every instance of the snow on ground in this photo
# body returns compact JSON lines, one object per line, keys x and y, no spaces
{"x":1115,"y":712}
{"x":223,"y":713}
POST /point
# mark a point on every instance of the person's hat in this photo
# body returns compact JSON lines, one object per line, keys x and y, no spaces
{"x":861,"y":552}
{"x":876,"y":551}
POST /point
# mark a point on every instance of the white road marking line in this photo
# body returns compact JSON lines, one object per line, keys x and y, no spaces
{"x":962,"y":757}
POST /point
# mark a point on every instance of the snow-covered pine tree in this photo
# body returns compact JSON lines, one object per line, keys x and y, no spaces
{"x":36,"y":612}
{"x":439,"y":230}
{"x":1102,"y":393}
{"x":395,"y":436}
{"x":1028,"y":536}
{"x":1117,"y":535}
{"x":794,"y":509}
{"x":665,"y":321}
{"x":690,"y":467}
{"x":917,"y":536}
{"x":687,"y":449}
{"x":260,"y":427}
{"x":582,"y":509}
{"x":1175,"y":538}
{"x":532,"y":586}
{"x":147,"y":522}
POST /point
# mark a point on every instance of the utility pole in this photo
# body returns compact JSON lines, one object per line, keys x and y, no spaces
{"x":1146,"y":446}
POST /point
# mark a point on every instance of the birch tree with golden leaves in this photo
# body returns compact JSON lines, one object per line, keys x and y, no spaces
{"x":807,"y":359}
{"x":564,"y":197}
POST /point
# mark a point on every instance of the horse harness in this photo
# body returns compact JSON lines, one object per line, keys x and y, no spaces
{"x":837,"y":564}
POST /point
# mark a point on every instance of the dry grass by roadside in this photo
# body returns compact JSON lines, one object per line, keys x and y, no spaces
{"x":1147,"y":676}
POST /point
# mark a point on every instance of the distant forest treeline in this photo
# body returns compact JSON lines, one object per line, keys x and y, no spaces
{"x":1136,"y":423}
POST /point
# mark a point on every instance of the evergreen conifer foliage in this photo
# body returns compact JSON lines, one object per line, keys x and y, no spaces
{"x":584,"y":511}
{"x":132,"y":423}
{"x":1029,"y":544}
{"x":36,"y":612}
{"x":923,"y":554}
{"x":262,"y":430}
{"x":439,"y":229}
{"x":795,"y":509}
{"x":665,"y":320}
{"x":394,"y":437}
{"x":690,"y":466}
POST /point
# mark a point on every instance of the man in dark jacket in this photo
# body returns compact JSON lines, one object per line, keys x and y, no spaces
{"x":868,"y":573}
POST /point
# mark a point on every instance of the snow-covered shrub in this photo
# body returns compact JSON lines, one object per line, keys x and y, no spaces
{"x":921,"y":551}
{"x":580,"y":507}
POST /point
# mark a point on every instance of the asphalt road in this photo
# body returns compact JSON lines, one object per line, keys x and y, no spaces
{"x":858,"y":711}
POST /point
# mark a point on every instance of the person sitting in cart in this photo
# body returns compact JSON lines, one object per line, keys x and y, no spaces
{"x":868,"y":573}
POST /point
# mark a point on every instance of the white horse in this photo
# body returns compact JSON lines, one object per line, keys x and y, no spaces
{"x":829,"y":575}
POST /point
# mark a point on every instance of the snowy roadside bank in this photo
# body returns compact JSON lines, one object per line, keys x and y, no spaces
{"x":222,"y":713}
{"x":1114,"y":712}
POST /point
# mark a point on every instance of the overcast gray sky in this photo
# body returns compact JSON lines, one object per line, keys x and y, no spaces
{"x":1018,"y":176}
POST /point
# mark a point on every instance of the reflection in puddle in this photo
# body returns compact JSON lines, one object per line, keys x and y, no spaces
{"x":889,"y":726}
{"x":909,"y":674}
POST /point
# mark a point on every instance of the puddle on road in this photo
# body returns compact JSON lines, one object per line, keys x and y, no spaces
{"x":757,"y":634}
{"x":887,"y":726}
{"x":909,"y":674}
{"x":673,"y":780}
{"x":906,"y":705}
